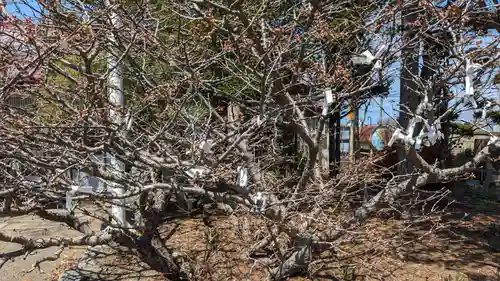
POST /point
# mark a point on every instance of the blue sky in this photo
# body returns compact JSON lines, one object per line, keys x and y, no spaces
{"x":22,"y":8}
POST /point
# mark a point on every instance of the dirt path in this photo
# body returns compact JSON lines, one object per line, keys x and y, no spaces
{"x":35,"y":227}
{"x":434,"y":257}
{"x":103,"y":264}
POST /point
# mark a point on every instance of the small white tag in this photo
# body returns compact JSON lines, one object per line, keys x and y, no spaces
{"x":260,"y":203}
{"x":484,"y":112}
{"x":470,"y":69}
{"x":259,"y":122}
{"x":399,"y":135}
{"x":433,"y":135}
{"x":324,"y":112}
{"x":128,"y":120}
{"x":206,"y":146}
{"x":418,"y":142}
{"x":328,"y":97}
{"x":242,"y":176}
{"x":492,"y":140}
{"x":369,"y":57}
{"x":197,"y":172}
{"x":69,"y":200}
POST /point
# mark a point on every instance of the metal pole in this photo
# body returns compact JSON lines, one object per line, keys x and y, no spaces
{"x":117,"y":102}
{"x":381,"y":110}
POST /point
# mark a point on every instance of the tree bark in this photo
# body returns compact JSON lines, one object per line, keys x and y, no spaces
{"x":409,"y":72}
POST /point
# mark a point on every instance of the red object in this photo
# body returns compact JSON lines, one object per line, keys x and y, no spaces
{"x":82,"y":114}
{"x":220,"y":109}
{"x":365,"y":133}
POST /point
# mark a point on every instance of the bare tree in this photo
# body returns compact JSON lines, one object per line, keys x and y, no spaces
{"x":219,"y":102}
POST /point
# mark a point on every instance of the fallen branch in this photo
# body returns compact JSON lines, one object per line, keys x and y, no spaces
{"x":297,"y":262}
{"x":7,"y":256}
{"x":43,"y":243}
{"x":53,"y":257}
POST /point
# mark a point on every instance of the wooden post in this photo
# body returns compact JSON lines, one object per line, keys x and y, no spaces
{"x":409,"y":70}
{"x":334,"y":140}
{"x":325,"y":150}
{"x":380,"y":121}
{"x":354,"y":132}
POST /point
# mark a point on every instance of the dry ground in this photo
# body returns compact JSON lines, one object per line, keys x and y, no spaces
{"x":390,"y":250}
{"x":34,"y":227}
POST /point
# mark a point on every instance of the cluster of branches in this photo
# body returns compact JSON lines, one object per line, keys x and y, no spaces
{"x":215,"y":90}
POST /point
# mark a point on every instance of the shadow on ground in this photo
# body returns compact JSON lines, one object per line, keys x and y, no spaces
{"x":462,"y":245}
{"x":110,"y":264}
